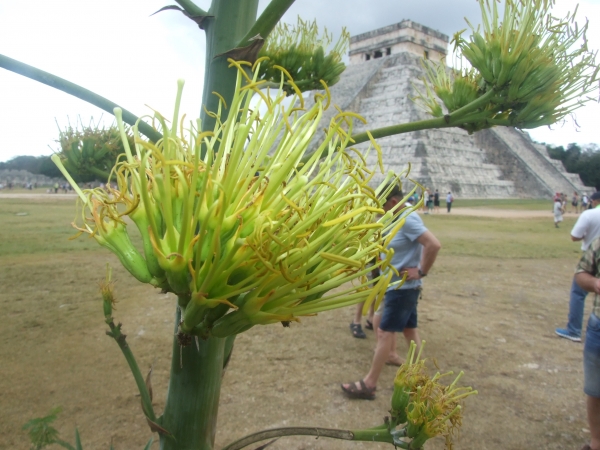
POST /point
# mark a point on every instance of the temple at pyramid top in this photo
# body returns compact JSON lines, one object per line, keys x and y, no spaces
{"x":405,"y":36}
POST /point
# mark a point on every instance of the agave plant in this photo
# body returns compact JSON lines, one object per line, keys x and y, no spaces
{"x":248,"y":224}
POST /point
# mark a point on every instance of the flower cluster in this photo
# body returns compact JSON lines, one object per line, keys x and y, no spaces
{"x":427,"y":407}
{"x":300,"y":50}
{"x":528,"y":68}
{"x":234,"y":220}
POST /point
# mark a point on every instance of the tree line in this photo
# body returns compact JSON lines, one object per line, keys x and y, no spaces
{"x":39,"y":165}
{"x":584,"y":161}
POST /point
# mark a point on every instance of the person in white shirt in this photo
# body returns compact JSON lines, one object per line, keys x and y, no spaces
{"x":558,"y":210}
{"x":586,"y":229}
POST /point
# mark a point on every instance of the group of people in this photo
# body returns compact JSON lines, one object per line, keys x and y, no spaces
{"x":415,"y":251}
{"x":431,"y":201}
{"x":578,"y":204}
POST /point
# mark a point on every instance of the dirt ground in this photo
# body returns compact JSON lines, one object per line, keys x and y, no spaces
{"x":493,"y":318}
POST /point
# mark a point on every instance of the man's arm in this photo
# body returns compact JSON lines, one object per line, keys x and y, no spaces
{"x":580,"y":228}
{"x":431,"y":247}
{"x":588,"y":282}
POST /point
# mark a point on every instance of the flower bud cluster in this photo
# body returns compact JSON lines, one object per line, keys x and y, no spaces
{"x":242,"y":222}
{"x":90,"y":152}
{"x":427,"y":407}
{"x":300,"y":50}
{"x":528,"y":68}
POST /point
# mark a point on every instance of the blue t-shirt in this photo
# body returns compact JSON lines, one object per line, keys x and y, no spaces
{"x":407,"y":250}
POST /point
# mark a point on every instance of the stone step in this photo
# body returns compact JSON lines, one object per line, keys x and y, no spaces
{"x":526,"y":151}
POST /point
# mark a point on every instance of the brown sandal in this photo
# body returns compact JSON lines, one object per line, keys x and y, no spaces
{"x":362,"y":393}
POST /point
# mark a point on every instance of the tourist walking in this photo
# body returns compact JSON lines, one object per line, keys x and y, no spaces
{"x":575,"y":202}
{"x":429,"y":202}
{"x":584,"y":202}
{"x":436,"y":202}
{"x":449,"y":200}
{"x":587,"y":275}
{"x":586,"y":229}
{"x":415,"y":250}
{"x":558,"y":211}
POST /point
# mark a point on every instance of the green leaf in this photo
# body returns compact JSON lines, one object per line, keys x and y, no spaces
{"x":77,"y":440}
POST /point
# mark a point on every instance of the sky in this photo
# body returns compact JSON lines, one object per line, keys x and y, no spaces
{"x":118,"y":50}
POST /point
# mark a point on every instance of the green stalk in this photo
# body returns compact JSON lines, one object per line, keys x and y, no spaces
{"x":119,"y":337}
{"x":230,"y":22}
{"x":378,"y":434}
{"x":77,"y":91}
{"x":191,"y":8}
{"x":267,"y":21}
{"x":449,"y":120}
{"x":193,"y":397}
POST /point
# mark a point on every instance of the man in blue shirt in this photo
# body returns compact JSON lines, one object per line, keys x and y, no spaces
{"x":415,"y":250}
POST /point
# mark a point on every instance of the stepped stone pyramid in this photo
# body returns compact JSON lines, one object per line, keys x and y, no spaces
{"x":496,"y":163}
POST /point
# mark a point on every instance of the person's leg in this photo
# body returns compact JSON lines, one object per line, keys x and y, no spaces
{"x":376,"y":323}
{"x":385,"y":341}
{"x":355,"y":326}
{"x":358,"y":313}
{"x":399,"y":311}
{"x":410,"y":328}
{"x":576,"y":307}
{"x":412,"y":334}
{"x":371,"y":315}
{"x":593,"y":413}
{"x":393,"y":357}
{"x":591,"y":378}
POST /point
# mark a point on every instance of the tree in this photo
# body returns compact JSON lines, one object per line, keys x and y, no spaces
{"x":583,"y":161}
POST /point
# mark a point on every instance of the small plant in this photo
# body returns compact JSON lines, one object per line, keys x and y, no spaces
{"x":42,"y":433}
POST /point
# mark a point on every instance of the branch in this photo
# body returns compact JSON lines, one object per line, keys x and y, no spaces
{"x":455,"y":118}
{"x":267,"y":21}
{"x":438,"y":122}
{"x":71,"y":88}
{"x":119,"y":337}
{"x":380,"y":434}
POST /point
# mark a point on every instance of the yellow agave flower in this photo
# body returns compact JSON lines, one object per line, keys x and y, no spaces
{"x":428,"y":407}
{"x":236,"y":225}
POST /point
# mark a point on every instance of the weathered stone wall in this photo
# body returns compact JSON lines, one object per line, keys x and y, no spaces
{"x":497,"y":152}
{"x":405,"y":36}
